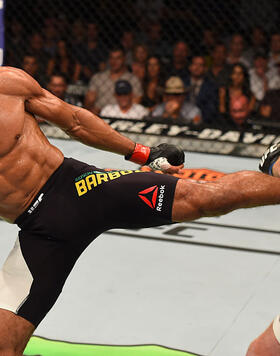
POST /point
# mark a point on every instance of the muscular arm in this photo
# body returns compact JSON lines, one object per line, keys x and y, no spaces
{"x":76,"y":122}
{"x":79,"y":123}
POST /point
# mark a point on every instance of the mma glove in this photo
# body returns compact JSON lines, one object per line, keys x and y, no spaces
{"x":269,"y":157}
{"x":158,"y":158}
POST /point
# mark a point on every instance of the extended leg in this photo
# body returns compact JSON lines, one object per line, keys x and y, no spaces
{"x":243,"y":189}
{"x":14,"y":333}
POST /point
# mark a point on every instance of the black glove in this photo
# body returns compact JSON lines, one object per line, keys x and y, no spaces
{"x":269,"y":157}
{"x":157,"y":157}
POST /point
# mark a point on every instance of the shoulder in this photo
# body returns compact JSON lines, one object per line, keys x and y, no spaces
{"x":209,"y":82}
{"x":109,"y":110}
{"x":130,"y":77}
{"x":100,"y":76}
{"x":159,"y":110}
{"x":140,"y":108}
{"x":14,"y":81}
{"x":190,"y":107}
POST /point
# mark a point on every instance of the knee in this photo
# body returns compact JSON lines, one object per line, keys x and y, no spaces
{"x":253,"y":349}
{"x":186,"y":201}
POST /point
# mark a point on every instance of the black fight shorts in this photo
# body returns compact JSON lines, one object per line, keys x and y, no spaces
{"x":77,"y":204}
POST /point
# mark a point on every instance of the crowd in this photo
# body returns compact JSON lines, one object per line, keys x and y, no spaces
{"x":220,"y":81}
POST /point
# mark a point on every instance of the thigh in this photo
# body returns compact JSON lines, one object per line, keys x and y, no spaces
{"x":34,"y":274}
{"x":14,"y":332}
{"x":137,"y":200}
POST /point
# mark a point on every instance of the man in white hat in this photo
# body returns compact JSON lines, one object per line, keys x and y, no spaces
{"x":175,"y":109}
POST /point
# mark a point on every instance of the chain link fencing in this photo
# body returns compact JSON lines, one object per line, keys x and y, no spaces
{"x":195,"y":62}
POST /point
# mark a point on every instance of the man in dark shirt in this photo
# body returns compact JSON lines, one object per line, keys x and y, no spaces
{"x":57,"y":85}
{"x":270,"y":106}
{"x":30,"y":65}
{"x":219,"y":71}
{"x":179,"y":65}
{"x":202,"y":91}
{"x":90,"y":56}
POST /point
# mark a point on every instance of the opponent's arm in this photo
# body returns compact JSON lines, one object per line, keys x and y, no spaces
{"x":80,"y":123}
{"x":270,"y":160}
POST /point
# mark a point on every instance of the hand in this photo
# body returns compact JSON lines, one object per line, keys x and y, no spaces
{"x":164,"y":157}
{"x":175,"y":169}
{"x":171,"y":107}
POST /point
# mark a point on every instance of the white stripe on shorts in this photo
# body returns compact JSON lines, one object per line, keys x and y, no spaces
{"x":276,"y":328}
{"x":15,"y":280}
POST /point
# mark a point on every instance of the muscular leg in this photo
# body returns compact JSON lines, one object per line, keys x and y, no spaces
{"x":265,"y":345}
{"x":243,"y":189}
{"x":14,"y":333}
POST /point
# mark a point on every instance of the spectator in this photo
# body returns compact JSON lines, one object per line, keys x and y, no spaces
{"x":179,"y":65}
{"x":203,"y":92}
{"x":62,"y":25}
{"x":15,"y":44}
{"x":50,"y":40}
{"x":127,"y":42}
{"x":155,"y":42}
{"x":77,"y":35}
{"x":219,"y":70}
{"x":36,"y":48}
{"x":270,"y":106}
{"x":61,"y":62}
{"x":275,"y":80}
{"x":236,"y":100}
{"x":261,"y":77}
{"x":125,"y":108}
{"x":208,"y":41}
{"x":274,"y":54}
{"x":30,"y":66}
{"x":90,"y":55}
{"x":140,"y":56}
{"x":102,"y":85}
{"x":258,"y":45}
{"x":236,"y":49}
{"x":57,"y":85}
{"x":175,"y":109}
{"x":153,"y":84}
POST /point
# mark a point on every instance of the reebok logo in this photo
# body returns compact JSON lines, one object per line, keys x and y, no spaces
{"x":36,"y":203}
{"x":160,"y":197}
{"x":149,"y":196}
{"x":153,"y":196}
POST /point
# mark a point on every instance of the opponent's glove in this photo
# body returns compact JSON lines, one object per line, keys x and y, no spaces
{"x":158,"y":158}
{"x":269,"y":157}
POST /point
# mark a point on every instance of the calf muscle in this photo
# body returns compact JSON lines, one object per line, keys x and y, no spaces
{"x":14,"y":333}
{"x":243,"y":189}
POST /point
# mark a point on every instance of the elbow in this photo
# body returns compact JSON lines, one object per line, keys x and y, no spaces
{"x":75,"y":126}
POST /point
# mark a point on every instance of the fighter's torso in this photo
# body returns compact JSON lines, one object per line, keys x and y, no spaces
{"x":27,"y":159}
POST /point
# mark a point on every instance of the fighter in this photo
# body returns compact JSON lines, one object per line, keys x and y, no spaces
{"x":268,"y":343}
{"x":61,"y":205}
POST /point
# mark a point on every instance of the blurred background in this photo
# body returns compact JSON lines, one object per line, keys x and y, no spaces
{"x":204,"y":63}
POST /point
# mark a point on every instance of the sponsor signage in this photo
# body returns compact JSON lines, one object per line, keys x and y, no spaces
{"x":251,"y":143}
